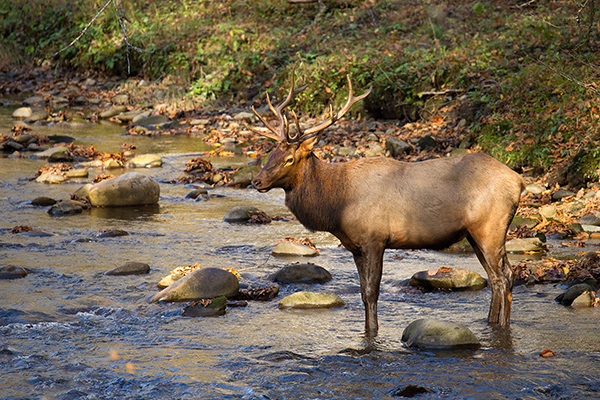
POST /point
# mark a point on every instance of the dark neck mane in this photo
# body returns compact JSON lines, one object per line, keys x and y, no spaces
{"x":316,"y":197}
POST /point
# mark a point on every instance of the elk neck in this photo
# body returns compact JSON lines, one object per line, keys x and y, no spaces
{"x":317,"y":194}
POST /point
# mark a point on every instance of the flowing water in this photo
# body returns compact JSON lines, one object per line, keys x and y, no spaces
{"x":67,"y":331}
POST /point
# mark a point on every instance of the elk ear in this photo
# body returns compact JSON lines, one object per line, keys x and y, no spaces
{"x":308,"y":145}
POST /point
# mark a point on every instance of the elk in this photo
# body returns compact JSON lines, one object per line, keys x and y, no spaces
{"x":373,"y":204}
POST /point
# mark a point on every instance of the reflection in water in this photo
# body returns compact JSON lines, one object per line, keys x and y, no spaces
{"x":69,"y":331}
{"x":142,"y":213}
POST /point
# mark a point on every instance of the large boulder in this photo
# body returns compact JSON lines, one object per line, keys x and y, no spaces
{"x":448,"y":278}
{"x":130,"y":189}
{"x":309,"y":300}
{"x":435,"y":334}
{"x":204,"y":283}
{"x":302,"y":273}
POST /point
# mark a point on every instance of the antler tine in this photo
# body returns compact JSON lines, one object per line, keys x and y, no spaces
{"x":311,"y":132}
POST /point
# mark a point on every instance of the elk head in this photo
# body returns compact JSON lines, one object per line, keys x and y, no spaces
{"x":282,"y":167}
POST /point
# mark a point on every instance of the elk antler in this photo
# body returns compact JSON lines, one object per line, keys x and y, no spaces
{"x":315,"y":130}
{"x":282,"y":135}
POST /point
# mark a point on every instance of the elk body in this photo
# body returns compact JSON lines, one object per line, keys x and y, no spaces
{"x":373,"y":204}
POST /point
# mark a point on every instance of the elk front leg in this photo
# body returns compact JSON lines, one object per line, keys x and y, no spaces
{"x":369,"y":262}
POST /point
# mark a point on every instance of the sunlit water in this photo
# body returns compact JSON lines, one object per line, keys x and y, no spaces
{"x":68,"y":331}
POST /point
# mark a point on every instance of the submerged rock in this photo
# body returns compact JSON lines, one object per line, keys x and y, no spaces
{"x":204,"y":283}
{"x":12,"y":272}
{"x":310,"y":300}
{"x":435,"y":334}
{"x":130,"y":268}
{"x":287,"y":248}
{"x":64,"y":208}
{"x":43,"y":201}
{"x":213,"y":308}
{"x":448,"y":278}
{"x":130,"y":189}
{"x":302,"y":273}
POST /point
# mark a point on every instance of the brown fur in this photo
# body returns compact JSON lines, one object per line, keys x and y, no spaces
{"x":376,"y":203}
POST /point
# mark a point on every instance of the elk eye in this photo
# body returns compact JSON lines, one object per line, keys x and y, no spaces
{"x":289,"y":161}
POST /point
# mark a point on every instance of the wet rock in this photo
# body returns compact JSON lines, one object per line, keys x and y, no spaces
{"x":145,"y":161}
{"x":561,"y":194}
{"x":200,"y":121}
{"x":130,"y":189}
{"x":128,"y":116}
{"x":302,"y":273}
{"x":585,"y":299}
{"x":204,"y":283}
{"x":448,"y":278}
{"x":196,"y":193}
{"x":43,"y":201}
{"x":150,"y":121}
{"x":83,"y":191}
{"x":50,"y":177}
{"x":535,"y":188}
{"x":130,"y":268}
{"x":214,"y":308}
{"x":64,"y":208}
{"x":287,"y":248}
{"x":77,"y":173}
{"x":34,"y":101}
{"x":310,"y":300}
{"x":397,"y":147}
{"x":22,"y":113}
{"x":169,"y":280}
{"x":113,"y":112}
{"x":37,"y":117}
{"x":239,"y":214}
{"x":590,"y":228}
{"x":111,"y":164}
{"x":113,"y":233}
{"x":409,"y":391}
{"x":54,"y":153}
{"x":244,"y":176}
{"x":567,"y":298}
{"x":144,"y":114}
{"x":435,"y":334}
{"x":523,"y":245}
{"x":589,"y":219}
{"x":12,"y":272}
{"x":13,"y":145}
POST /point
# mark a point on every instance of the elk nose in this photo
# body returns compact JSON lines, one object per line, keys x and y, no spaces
{"x":256,"y":183}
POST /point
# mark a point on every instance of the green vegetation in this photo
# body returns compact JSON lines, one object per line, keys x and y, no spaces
{"x":527,"y":77}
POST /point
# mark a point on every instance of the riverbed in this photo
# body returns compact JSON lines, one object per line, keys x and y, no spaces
{"x":67,"y":331}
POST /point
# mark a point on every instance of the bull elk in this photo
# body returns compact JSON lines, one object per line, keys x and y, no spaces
{"x":373,"y":204}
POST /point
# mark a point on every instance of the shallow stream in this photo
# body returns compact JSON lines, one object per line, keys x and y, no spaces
{"x":67,"y":331}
